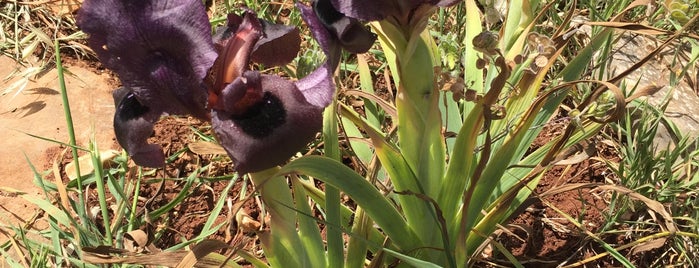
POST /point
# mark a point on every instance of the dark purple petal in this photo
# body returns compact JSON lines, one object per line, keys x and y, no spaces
{"x":161,"y":50}
{"x":327,"y":41}
{"x":133,"y":124}
{"x":242,"y":32}
{"x":269,"y":132}
{"x":367,"y":10}
{"x":318,"y":87}
{"x":446,"y":3}
{"x":242,"y":95}
{"x":278,"y":46}
{"x":375,"y":10}
{"x":352,"y":35}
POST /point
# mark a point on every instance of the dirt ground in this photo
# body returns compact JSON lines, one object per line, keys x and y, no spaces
{"x":38,"y":110}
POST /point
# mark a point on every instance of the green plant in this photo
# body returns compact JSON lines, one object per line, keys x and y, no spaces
{"x":438,"y":166}
{"x":443,"y":211}
{"x":437,"y":213}
{"x":26,"y":38}
{"x":661,"y":180}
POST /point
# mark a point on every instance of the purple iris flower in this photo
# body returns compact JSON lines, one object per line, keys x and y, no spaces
{"x":169,"y":63}
{"x":374,"y":10}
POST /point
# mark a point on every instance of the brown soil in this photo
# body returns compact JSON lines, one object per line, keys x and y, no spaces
{"x":37,"y":111}
{"x":541,"y":235}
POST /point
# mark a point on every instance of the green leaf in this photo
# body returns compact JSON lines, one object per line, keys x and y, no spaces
{"x":419,"y":214}
{"x":366,"y":82}
{"x":360,"y":148}
{"x":412,"y":261}
{"x":58,"y":214}
{"x":461,"y":164}
{"x":309,"y":232}
{"x":332,"y":194}
{"x":362,"y":192}
{"x":281,"y":244}
{"x":219,"y":205}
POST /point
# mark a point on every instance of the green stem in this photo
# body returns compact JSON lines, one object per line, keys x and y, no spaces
{"x":99,"y":179}
{"x":412,"y":59}
{"x":134,"y":204}
{"x":71,"y":133}
{"x":332,"y":194}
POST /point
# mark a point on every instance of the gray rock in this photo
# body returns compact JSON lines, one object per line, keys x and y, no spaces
{"x":683,"y":106}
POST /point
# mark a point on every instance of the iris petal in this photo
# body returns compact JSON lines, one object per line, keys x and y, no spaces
{"x":278,"y":46}
{"x":161,"y":51}
{"x":375,"y":10}
{"x":234,"y":44}
{"x":326,"y":40}
{"x":368,"y":10}
{"x":446,"y":3}
{"x":133,"y":124}
{"x":272,"y":130}
{"x":318,"y":87}
{"x":324,"y":21}
{"x":263,"y":120}
{"x":352,"y":35}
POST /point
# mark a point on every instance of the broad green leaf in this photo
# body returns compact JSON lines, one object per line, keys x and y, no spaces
{"x":363,"y":151}
{"x":332,"y":203}
{"x":451,"y":116}
{"x":415,"y":210}
{"x":460,"y":167}
{"x":60,"y":215}
{"x":362,"y":192}
{"x":308,"y":229}
{"x":357,"y":245}
{"x":473,"y":77}
{"x":319,"y":197}
{"x":367,"y":84}
{"x":281,"y":244}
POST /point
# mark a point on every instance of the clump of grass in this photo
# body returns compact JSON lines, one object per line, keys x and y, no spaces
{"x":28,"y":33}
{"x":665,"y":173}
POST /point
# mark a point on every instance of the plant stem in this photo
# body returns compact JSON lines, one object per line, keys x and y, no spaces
{"x":332,"y":194}
{"x":71,"y":132}
{"x":99,"y":179}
